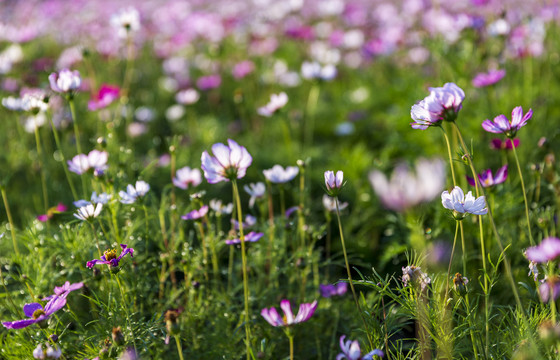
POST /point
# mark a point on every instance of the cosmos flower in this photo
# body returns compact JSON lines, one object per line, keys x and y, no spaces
{"x":250,"y":237}
{"x":549,"y":286}
{"x":64,"y":290}
{"x":329,"y":290}
{"x":37,"y":314}
{"x":415,"y":275}
{"x":242,"y":69}
{"x":187,"y":97}
{"x":351,"y":351}
{"x":96,"y":160}
{"x":256,"y":190}
{"x":334,"y":183}
{"x":443,"y":104}
{"x":461,"y":204}
{"x":219,"y":208}
{"x":51,"y":212}
{"x":547,"y":250}
{"x":489,"y":78}
{"x":498,"y":144}
{"x":185,"y":177}
{"x":277,"y":101}
{"x":126,"y":21}
{"x":109,"y":257}
{"x":501,"y":124}
{"x":133,"y":193}
{"x":228,"y":163}
{"x":305,"y":312}
{"x":49,"y":352}
{"x":249,"y":221}
{"x":487,"y":179}
{"x":209,"y":82}
{"x":314,"y":70}
{"x":196,"y":214}
{"x":102,"y":198}
{"x":104,"y":97}
{"x":278,"y":175}
{"x":65,"y":81}
{"x":88,"y":212}
{"x":330,"y":204}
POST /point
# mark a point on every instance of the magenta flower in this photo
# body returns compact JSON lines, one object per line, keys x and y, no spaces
{"x":37,"y":314}
{"x":329,"y":290}
{"x":549,"y":286}
{"x":501,"y":124}
{"x":278,"y":175}
{"x":305,"y":312}
{"x":109,"y":257}
{"x":185,"y":177}
{"x":65,"y":81}
{"x":489,"y":78}
{"x":104,"y":97}
{"x":242,"y":69}
{"x":228,"y":163}
{"x":250,"y":237}
{"x":209,"y":82}
{"x":196,"y":214}
{"x":443,"y":104}
{"x":547,"y":250}
{"x":351,"y":351}
{"x":487,"y":179}
{"x":51,"y":212}
{"x":498,"y":144}
{"x":64,"y":290}
{"x":334,"y":183}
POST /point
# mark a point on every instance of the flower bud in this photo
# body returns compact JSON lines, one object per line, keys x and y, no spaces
{"x":117,"y":336}
{"x":460,"y":284}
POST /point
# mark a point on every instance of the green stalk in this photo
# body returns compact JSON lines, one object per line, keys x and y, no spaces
{"x":450,"y":156}
{"x":179,"y":348}
{"x":312,"y":101}
{"x":291,"y":338}
{"x":451,"y":259}
{"x":41,"y":164}
{"x":524,"y":193}
{"x":77,"y":136}
{"x":64,"y":164}
{"x":10,"y":220}
{"x":350,"y":275}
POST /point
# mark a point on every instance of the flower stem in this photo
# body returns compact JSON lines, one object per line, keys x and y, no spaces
{"x":64,"y":164}
{"x":310,"y":108}
{"x":10,"y":219}
{"x":244,"y":268}
{"x":42,"y":166}
{"x":77,"y":136}
{"x":524,"y":193}
{"x":349,"y":274}
{"x":451,"y":259}
{"x":291,"y":338}
{"x":179,"y":348}
{"x":450,"y":156}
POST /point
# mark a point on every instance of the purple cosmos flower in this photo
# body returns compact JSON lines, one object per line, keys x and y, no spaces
{"x":278,"y":175}
{"x":329,"y":290}
{"x":64,"y":290}
{"x":489,"y":78}
{"x":104,"y":97}
{"x":277,"y":101}
{"x":290,"y":211}
{"x":37,"y":314}
{"x":82,"y":163}
{"x":109,"y":257}
{"x":498,"y":144}
{"x":250,"y":221}
{"x":330,"y":204}
{"x":51,"y":212}
{"x":88,"y":212}
{"x":548,"y":286}
{"x":443,"y":104}
{"x":547,"y":250}
{"x":256,"y":190}
{"x":242,"y":69}
{"x":196,"y":214}
{"x":461,"y":204}
{"x":65,"y":81}
{"x":250,"y":237}
{"x":351,"y":351}
{"x":487,"y":179}
{"x":209,"y":82}
{"x":501,"y":124}
{"x":132,"y":193}
{"x":228,"y":163}
{"x":334,"y":183}
{"x":185,"y":177}
{"x":305,"y":312}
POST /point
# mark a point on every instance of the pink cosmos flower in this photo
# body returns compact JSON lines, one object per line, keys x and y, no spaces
{"x":501,"y":124}
{"x":277,"y":101}
{"x":104,"y":97}
{"x":489,"y":78}
{"x":196,"y":214}
{"x":443,"y":104}
{"x":228,"y":163}
{"x":250,"y":237}
{"x":37,"y":313}
{"x":278,"y":175}
{"x":185,"y":177}
{"x":209,"y":82}
{"x":329,"y":290}
{"x":305,"y":312}
{"x":487,"y":179}
{"x":52,"y":211}
{"x":498,"y":144}
{"x":65,"y":81}
{"x":351,"y":351}
{"x":109,"y":257}
{"x":334,"y":183}
{"x":547,"y":250}
{"x":242,"y":69}
{"x":462,"y":204}
{"x":96,"y":160}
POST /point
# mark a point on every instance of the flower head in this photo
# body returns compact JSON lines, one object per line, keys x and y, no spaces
{"x":443,"y":104}
{"x":547,"y":250}
{"x":277,"y":101}
{"x":413,"y":274}
{"x":104,"y":97}
{"x":64,"y":290}
{"x":37,"y":313}
{"x":50,"y":352}
{"x":132,"y":193}
{"x":219,"y":208}
{"x":487,"y":179}
{"x":185,"y":177}
{"x":187,"y":97}
{"x":88,"y":212}
{"x":330,"y":204}
{"x":228,"y":163}
{"x":278,"y":175}
{"x":250,"y":237}
{"x":314,"y":70}
{"x":256,"y":190}
{"x":126,"y":21}
{"x":549,"y":286}
{"x":498,"y":144}
{"x":305,"y":312}
{"x":51,"y":212}
{"x":96,"y":160}
{"x":196,"y":214}
{"x":501,"y":124}
{"x":461,"y":204}
{"x":351,"y":351}
{"x":460,"y":284}
{"x":334,"y":183}
{"x":109,"y":257}
{"x":65,"y":81}
{"x":329,"y":290}
{"x":489,"y":78}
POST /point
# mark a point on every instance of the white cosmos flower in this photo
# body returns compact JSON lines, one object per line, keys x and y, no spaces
{"x":278,"y":175}
{"x":462,"y":204}
{"x":88,"y":212}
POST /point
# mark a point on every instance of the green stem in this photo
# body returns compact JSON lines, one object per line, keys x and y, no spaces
{"x":10,"y":220}
{"x":77,"y":136}
{"x":291,"y":338}
{"x":179,"y":348}
{"x":451,"y":259}
{"x":450,"y":156}
{"x":41,"y":164}
{"x":463,"y":249}
{"x":64,"y":164}
{"x":349,"y":274}
{"x":524,"y":193}
{"x":310,"y":115}
{"x":125,"y":309}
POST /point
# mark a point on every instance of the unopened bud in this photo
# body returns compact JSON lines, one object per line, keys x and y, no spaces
{"x":117,"y":336}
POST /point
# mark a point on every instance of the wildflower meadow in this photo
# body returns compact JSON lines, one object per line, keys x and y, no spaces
{"x":260,"y":179}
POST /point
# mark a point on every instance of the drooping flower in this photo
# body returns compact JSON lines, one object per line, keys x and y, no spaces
{"x":250,"y":237}
{"x":256,"y":190}
{"x":461,"y":204}
{"x":547,"y":250}
{"x":37,"y":314}
{"x":489,"y":78}
{"x":51,"y":212}
{"x":277,"y":101}
{"x":278,"y":175}
{"x":443,"y":104}
{"x":498,"y":144}
{"x":414,"y":275}
{"x":351,"y":351}
{"x":196,"y":214}
{"x":88,"y":212}
{"x":109,"y":257}
{"x":487,"y":179}
{"x":501,"y":124}
{"x":305,"y":312}
{"x":50,"y":352}
{"x":219,"y":208}
{"x":185,"y":177}
{"x":96,"y":160}
{"x":328,"y":290}
{"x":330,"y":204}
{"x":334,"y":183}
{"x":407,"y":188}
{"x":104,"y":97}
{"x":65,"y":81}
{"x":133,"y":193}
{"x":228,"y":163}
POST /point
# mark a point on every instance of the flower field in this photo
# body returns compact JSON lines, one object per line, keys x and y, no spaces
{"x":258,"y":179}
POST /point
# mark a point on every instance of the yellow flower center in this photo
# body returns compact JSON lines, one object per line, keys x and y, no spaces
{"x":37,"y":313}
{"x":110,"y":254}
